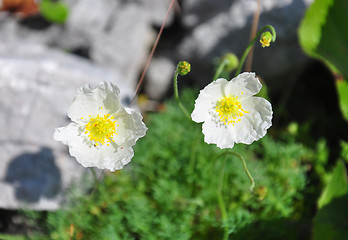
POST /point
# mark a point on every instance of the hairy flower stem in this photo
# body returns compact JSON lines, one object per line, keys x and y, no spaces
{"x":222,"y":203}
{"x":220,"y":188}
{"x":246,"y":170}
{"x":247,"y":50}
{"x":96,"y":180}
{"x":220,"y":69}
{"x":176,"y":93}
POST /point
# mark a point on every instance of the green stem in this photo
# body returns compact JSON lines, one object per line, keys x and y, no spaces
{"x":222,"y":203}
{"x":94,"y":174}
{"x":246,"y":170}
{"x":220,"y":187}
{"x":96,"y":180}
{"x":220,"y":69}
{"x":176,"y":93}
{"x":244,"y":167}
{"x":247,"y":50}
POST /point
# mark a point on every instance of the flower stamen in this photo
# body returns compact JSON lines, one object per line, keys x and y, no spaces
{"x":101,"y":129}
{"x":229,"y":110}
{"x":265,"y":42}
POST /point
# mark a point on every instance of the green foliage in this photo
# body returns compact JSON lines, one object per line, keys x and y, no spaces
{"x":169,"y":190}
{"x":323,"y":33}
{"x":344,"y":152}
{"x":331,"y":220}
{"x":56,"y":12}
{"x":11,"y":237}
{"x":342,"y":90}
{"x":337,"y":186}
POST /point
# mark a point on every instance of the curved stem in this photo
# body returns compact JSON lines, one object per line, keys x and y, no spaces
{"x":244,"y":167}
{"x":247,"y":50}
{"x":220,"y":187}
{"x":246,"y":170}
{"x":96,"y":180}
{"x":220,"y":69}
{"x":176,"y":93}
{"x":222,"y":203}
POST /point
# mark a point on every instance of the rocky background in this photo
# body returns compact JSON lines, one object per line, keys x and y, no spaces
{"x":42,"y":64}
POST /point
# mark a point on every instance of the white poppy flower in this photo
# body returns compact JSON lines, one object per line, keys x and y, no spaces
{"x":230,"y":112}
{"x":102,"y":131}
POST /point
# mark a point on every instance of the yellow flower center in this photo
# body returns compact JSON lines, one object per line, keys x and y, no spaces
{"x":101,"y":129}
{"x":265,"y":42}
{"x":229,"y":110}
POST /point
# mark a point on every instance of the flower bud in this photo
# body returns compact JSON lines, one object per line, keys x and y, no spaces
{"x":265,"y":39}
{"x":232,"y":61}
{"x":183,"y":68}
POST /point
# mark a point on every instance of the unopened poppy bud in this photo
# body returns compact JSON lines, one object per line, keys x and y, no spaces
{"x":183,"y":68}
{"x":265,"y":39}
{"x":232,"y":61}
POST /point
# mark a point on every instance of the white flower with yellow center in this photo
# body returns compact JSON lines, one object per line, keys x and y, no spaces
{"x":230,"y":112}
{"x":102,"y":131}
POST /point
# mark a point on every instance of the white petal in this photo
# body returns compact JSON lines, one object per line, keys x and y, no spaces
{"x":207,"y":99}
{"x":112,"y":157}
{"x":245,"y":82}
{"x":103,"y":157}
{"x":254,"y":124}
{"x":88,"y":101}
{"x":130,"y":128}
{"x":217,"y":134}
{"x":64,"y":134}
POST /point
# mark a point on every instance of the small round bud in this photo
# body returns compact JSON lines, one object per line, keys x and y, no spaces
{"x":183,"y":68}
{"x":265,"y":39}
{"x":232,"y":61}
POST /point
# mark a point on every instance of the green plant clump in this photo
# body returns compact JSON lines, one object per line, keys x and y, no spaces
{"x":169,"y":190}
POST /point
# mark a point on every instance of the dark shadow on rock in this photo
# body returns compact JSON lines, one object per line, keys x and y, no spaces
{"x":36,"y":22}
{"x":34,"y":175}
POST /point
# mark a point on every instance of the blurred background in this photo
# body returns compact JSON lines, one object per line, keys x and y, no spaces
{"x":49,"y":48}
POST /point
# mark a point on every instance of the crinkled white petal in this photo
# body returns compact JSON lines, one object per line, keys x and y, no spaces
{"x":130,"y":128}
{"x":65,"y":134}
{"x":216,"y":134}
{"x":253,"y":124}
{"x":104,"y":99}
{"x":112,"y":157}
{"x":88,"y":101}
{"x":252,"y":127}
{"x":207,"y":98}
{"x":246,"y":82}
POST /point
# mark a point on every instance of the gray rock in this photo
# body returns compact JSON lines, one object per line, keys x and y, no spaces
{"x":156,"y":10}
{"x":159,"y":77}
{"x":37,"y":85}
{"x":12,"y":31}
{"x":90,"y":17}
{"x":116,"y":35}
{"x":127,"y":44}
